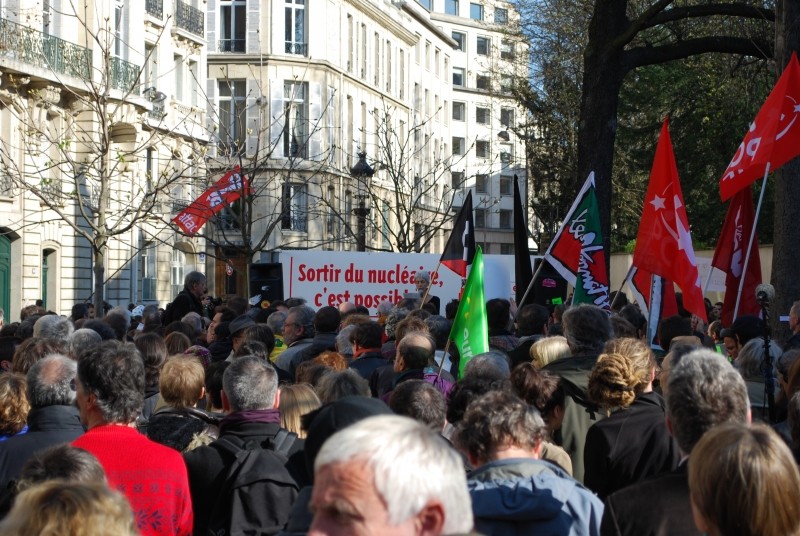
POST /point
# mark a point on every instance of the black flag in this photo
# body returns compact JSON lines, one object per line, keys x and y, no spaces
{"x":460,"y":248}
{"x":523,"y":273}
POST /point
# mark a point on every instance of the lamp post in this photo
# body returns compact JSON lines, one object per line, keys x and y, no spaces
{"x":362,"y":172}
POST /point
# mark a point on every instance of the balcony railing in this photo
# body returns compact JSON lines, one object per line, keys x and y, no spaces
{"x":154,"y":8}
{"x":157,"y":112}
{"x":296,"y":48}
{"x":189,"y":18}
{"x":124,"y":76}
{"x":31,"y":46}
{"x":230,"y":45}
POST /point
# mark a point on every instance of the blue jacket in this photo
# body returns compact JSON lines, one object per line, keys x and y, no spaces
{"x":527,"y":496}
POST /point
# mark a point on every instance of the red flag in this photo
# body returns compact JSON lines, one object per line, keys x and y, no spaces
{"x":730,"y":255}
{"x":460,"y":248}
{"x":228,"y":189}
{"x":773,"y":138}
{"x":663,"y":244}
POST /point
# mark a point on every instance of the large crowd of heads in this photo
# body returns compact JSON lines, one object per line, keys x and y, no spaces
{"x":221,"y":417}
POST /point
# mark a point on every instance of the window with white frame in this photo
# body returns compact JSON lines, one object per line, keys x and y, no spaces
{"x":482,"y":115}
{"x":147,"y":269}
{"x":476,"y":11}
{"x":507,"y":49}
{"x":506,"y":185}
{"x":482,"y":149}
{"x":295,"y":27}
{"x":456,"y":179}
{"x":483,"y":45}
{"x":506,"y":153}
{"x":482,"y":183}
{"x":451,"y":7}
{"x":459,"y":146}
{"x":507,"y":117}
{"x":176,"y":272}
{"x":363,"y":51}
{"x":500,"y":15}
{"x":232,"y":98}
{"x":232,"y":25}
{"x":179,"y":72}
{"x":481,"y":216}
{"x":459,"y":77}
{"x":460,"y":38}
{"x":505,"y":219}
{"x":505,"y":83}
{"x":294,"y":215}
{"x":483,"y":81}
{"x":119,"y":28}
{"x":295,"y":110}
{"x":350,"y":44}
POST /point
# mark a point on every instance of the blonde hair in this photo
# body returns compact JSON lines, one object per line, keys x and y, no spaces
{"x":14,"y":405}
{"x":744,"y":481}
{"x":297,"y":400}
{"x":177,"y":343}
{"x":623,"y":371}
{"x":182,"y":380}
{"x":59,"y":507}
{"x":549,"y":349}
{"x":332,"y":359}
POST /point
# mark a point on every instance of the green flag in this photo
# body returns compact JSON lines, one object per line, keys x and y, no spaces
{"x":470,"y":331}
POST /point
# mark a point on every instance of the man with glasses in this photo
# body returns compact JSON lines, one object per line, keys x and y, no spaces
{"x":298,"y":332}
{"x":190,"y":299}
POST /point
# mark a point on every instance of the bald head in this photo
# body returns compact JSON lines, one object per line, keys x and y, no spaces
{"x":414,"y":351}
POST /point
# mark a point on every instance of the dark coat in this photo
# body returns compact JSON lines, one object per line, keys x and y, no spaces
{"x":48,"y":426}
{"x":579,"y":413}
{"x":183,"y":304}
{"x":658,"y":506}
{"x":630,"y":445}
{"x":367,"y":363}
{"x":208,"y":466}
{"x":320,"y":343}
{"x":522,"y":353}
{"x":177,"y":427}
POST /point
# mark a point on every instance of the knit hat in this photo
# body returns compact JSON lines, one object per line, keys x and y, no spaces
{"x":323,"y":422}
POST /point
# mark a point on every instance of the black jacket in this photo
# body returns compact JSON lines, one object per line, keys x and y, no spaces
{"x":48,"y":426}
{"x":208,"y":466}
{"x":183,"y":304}
{"x":367,"y":363}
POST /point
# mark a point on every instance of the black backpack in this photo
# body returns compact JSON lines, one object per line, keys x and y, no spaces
{"x":258,"y":491}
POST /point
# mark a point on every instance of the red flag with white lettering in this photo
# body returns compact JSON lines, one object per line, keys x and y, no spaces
{"x":730,"y":255}
{"x":664,"y":244}
{"x":773,"y":138}
{"x":225,"y":191}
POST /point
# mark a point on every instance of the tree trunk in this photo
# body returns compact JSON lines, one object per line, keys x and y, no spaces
{"x":787,"y":188}
{"x":603,"y":72}
{"x":99,"y":270}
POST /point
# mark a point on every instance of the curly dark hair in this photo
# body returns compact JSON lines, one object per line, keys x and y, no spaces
{"x":114,"y":373}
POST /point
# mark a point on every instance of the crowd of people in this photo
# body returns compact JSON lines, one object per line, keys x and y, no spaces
{"x":227,"y":418}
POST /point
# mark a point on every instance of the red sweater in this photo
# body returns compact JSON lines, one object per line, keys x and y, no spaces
{"x":152,"y":477}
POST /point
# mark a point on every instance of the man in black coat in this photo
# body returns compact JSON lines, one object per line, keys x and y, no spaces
{"x":53,"y":418}
{"x":703,"y":391}
{"x":531,"y":326}
{"x":250,"y":398}
{"x":189,"y":299}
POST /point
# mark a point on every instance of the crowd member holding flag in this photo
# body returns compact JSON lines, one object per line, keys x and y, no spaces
{"x":470,"y":331}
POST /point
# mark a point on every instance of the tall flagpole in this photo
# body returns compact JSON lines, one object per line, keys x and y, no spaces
{"x":750,"y":243}
{"x":530,"y":285}
{"x":430,"y":283}
{"x":627,"y":276}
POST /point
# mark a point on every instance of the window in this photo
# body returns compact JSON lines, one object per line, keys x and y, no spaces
{"x":425,"y":3}
{"x":451,"y":7}
{"x":363,"y":51}
{"x":388,"y":66}
{"x":482,"y":149}
{"x":482,"y":183}
{"x":192,"y":82}
{"x":459,"y":78}
{"x":460,"y":39}
{"x":401,"y":81}
{"x":180,"y":76}
{"x":294,"y":213}
{"x":295,"y":27}
{"x":147,"y":270}
{"x":176,"y":271}
{"x":505,"y":219}
{"x":459,"y":111}
{"x":480,"y":218}
{"x":151,"y":66}
{"x":500,"y":15}
{"x":295,"y":130}
{"x":476,"y":11}
{"x":436,"y":58}
{"x":428,"y":55}
{"x":456,"y":179}
{"x":231,"y":115}
{"x":482,"y":115}
{"x":458,"y":146}
{"x":507,"y":117}
{"x":483,"y":45}
{"x":482,"y":81}
{"x":506,"y":185}
{"x":232,"y":21}
{"x":505,"y":83}
{"x":506,"y":155}
{"x":506,"y":49}
{"x":377,"y":59}
{"x":385,"y":231}
{"x":350,"y":44}
{"x":119,"y":27}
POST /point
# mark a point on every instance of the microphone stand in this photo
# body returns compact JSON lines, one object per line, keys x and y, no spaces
{"x":769,"y":385}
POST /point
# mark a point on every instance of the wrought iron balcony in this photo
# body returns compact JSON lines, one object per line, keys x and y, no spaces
{"x":230,"y":45}
{"x":296,"y":48}
{"x":31,"y":46}
{"x":189,"y":18}
{"x":158,"y":112}
{"x":124,"y":76}
{"x":154,"y":8}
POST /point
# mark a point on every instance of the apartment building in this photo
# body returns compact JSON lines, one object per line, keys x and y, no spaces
{"x":101,"y":130}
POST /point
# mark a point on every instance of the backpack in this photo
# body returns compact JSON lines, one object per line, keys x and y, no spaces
{"x":258,"y":491}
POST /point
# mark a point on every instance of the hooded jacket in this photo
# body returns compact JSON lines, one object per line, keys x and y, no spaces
{"x":528,"y":496}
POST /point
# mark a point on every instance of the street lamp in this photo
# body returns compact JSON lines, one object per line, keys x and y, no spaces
{"x":362,"y":172}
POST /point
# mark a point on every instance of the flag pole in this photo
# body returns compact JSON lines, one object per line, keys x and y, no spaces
{"x":750,"y":243}
{"x":530,"y":286}
{"x":620,"y":287}
{"x":428,"y":289}
{"x":444,"y":354}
